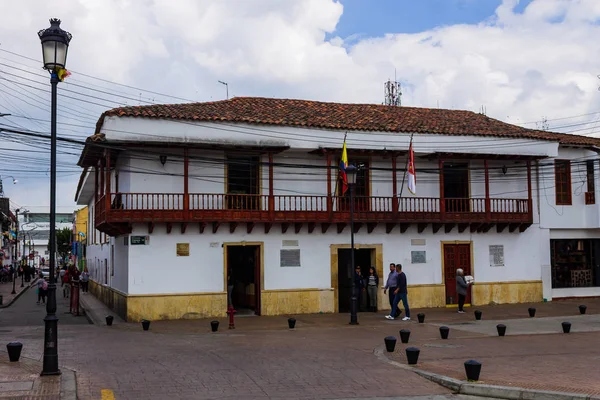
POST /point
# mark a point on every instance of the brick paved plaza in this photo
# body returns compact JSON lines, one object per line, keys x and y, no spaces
{"x":322,"y":358}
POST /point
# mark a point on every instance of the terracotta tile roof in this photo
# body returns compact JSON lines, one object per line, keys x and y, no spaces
{"x":351,"y":117}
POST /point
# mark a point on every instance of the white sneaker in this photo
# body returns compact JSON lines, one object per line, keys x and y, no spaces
{"x":406,"y":319}
{"x":389,"y":317}
{"x":461,"y":312}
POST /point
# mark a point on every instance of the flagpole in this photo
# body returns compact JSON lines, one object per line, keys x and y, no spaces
{"x":406,"y":166}
{"x":338,"y":169}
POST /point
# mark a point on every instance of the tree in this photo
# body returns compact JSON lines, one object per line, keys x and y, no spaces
{"x":64,"y":237}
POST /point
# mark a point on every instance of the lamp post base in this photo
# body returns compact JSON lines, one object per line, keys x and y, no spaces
{"x":50,"y":364}
{"x":353,"y":311}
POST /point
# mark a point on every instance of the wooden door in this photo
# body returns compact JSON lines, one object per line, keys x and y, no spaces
{"x":456,"y":256}
{"x":257,"y":280}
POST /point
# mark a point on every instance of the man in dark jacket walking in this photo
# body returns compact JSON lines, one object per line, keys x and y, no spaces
{"x":401,"y":293}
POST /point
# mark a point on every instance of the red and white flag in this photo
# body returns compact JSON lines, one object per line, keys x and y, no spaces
{"x":412,"y":176}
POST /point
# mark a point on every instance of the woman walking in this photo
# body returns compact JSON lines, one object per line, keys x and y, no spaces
{"x":372,"y":287}
{"x":85,"y":278}
{"x":461,"y":289}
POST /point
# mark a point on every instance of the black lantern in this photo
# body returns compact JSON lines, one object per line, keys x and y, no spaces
{"x":351,"y":172}
{"x":55,"y":43}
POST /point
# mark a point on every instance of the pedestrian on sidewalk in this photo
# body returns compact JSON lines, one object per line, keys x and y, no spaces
{"x":65,"y":283}
{"x":391,"y":285}
{"x":401,"y":293}
{"x":359,"y":284}
{"x":461,"y":289}
{"x":372,"y":287}
{"x":85,"y":280}
{"x":42,"y":289}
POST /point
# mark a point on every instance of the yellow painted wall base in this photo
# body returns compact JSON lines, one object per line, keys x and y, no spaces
{"x":426,"y":296}
{"x":299,"y":301}
{"x":113,"y":299}
{"x":176,"y":306}
{"x":507,"y":292}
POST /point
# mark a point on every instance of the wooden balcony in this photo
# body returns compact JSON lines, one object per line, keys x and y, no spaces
{"x":115,"y":215}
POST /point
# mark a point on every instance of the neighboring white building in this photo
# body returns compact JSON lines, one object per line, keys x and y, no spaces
{"x":184,"y":196}
{"x":34,"y":231}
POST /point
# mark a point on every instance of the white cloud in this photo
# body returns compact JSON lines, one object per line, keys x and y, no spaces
{"x":520,"y":66}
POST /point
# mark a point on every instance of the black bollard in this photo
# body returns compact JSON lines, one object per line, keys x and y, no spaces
{"x":291,"y":323}
{"x":531,"y":312}
{"x":14,"y":351}
{"x":109,"y":320}
{"x":412,"y":355}
{"x":566,"y":327}
{"x":1,"y":300}
{"x":145,"y":324}
{"x":390,"y":343}
{"x":214,"y":326}
{"x":421,"y":317}
{"x":404,"y":335}
{"x":472,"y":369}
{"x":501,"y":329}
{"x":478,"y":315}
{"x":444,"y":331}
{"x":582,"y":308}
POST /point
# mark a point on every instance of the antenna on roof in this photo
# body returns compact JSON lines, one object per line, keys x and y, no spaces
{"x":393,"y":92}
{"x":226,"y":87}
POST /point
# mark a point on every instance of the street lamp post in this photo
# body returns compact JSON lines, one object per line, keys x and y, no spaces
{"x":351,"y":177}
{"x":55,"y":43}
{"x":15,"y":255}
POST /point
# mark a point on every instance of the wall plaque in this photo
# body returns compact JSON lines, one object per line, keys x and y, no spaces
{"x":139,"y":240}
{"x":417,"y":257}
{"x":496,"y":255}
{"x":183,"y":249}
{"x":290,"y":258}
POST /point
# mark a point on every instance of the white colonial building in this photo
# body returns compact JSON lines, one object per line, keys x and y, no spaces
{"x":187,"y":201}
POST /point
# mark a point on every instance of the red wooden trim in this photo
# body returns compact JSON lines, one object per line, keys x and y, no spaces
{"x":529,"y":195}
{"x":95,"y":185}
{"x":394,"y":187}
{"x":186,"y":190}
{"x":107,"y":194}
{"x":101,"y":179}
{"x":488,"y":210}
{"x":271,"y":189}
{"x":559,"y":178}
{"x":441,"y":175}
{"x":329,"y":194}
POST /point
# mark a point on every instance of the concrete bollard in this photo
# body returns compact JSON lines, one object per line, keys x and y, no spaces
{"x":501,"y":329}
{"x":390,"y":343}
{"x":404,"y":335}
{"x":472,"y":370}
{"x":444,"y":331}
{"x":412,"y":355}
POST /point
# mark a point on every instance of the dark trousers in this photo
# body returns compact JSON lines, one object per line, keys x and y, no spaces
{"x":84,"y":286}
{"x":391,"y":296}
{"x":461,"y":301}
{"x":404,"y":298}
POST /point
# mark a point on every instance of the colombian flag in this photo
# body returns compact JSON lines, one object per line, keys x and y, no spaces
{"x":343,"y":166}
{"x":62,"y":74}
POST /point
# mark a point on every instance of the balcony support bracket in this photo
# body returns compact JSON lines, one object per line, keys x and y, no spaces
{"x":513,"y":227}
{"x":284,"y":227}
{"x":524,"y":227}
{"x":268,"y":227}
{"x":449,"y":228}
{"x":340,"y":227}
{"x":215,"y":227}
{"x":232,"y":226}
{"x":324,"y":227}
{"x":297,"y":227}
{"x":357,"y":226}
{"x":150,"y":227}
{"x":436,"y":227}
{"x":404,"y":227}
{"x":475,"y":227}
{"x":169,"y":227}
{"x":501,"y":227}
{"x":311,"y":227}
{"x":370,"y":227}
{"x":421,"y":227}
{"x":389,"y":227}
{"x":249,"y":227}
{"x":183,"y":227}
{"x":201,"y":227}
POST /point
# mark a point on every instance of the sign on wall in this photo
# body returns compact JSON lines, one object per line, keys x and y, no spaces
{"x":183,"y":249}
{"x":135,"y":240}
{"x":417,"y":257}
{"x":290,"y":258}
{"x":496,"y":255}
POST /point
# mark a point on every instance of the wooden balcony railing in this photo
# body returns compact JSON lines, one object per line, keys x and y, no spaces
{"x":171,"y":207}
{"x":590,"y":198}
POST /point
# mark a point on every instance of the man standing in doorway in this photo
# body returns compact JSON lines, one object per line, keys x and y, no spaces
{"x":391,"y":284}
{"x":401,"y":293}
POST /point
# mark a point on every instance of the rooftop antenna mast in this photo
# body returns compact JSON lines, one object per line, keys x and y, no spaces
{"x":393,"y":92}
{"x":226,"y":88}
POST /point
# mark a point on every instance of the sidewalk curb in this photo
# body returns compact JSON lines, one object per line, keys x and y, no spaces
{"x":68,"y":385}
{"x":483,"y":390}
{"x":94,"y":317}
{"x":26,"y":288}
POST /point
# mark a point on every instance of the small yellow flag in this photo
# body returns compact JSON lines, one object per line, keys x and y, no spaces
{"x":62,"y":74}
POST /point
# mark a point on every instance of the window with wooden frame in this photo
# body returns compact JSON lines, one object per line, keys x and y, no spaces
{"x":562,"y":182}
{"x":590,"y":196}
{"x":362,"y":188}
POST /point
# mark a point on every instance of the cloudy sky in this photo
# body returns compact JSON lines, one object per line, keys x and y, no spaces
{"x":521,"y":60}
